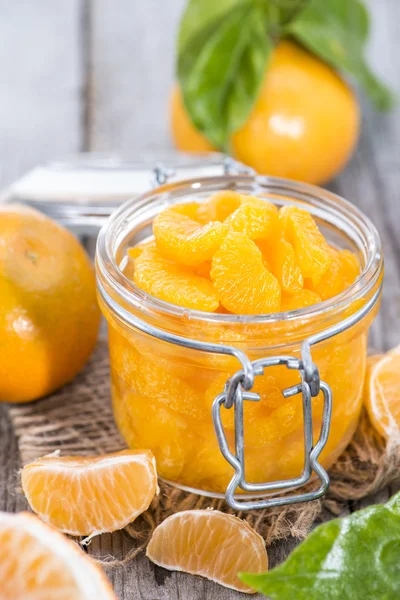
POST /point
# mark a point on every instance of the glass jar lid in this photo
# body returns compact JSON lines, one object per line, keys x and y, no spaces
{"x":81,"y":191}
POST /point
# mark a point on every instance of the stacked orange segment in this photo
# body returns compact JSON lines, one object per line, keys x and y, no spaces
{"x":240,"y":255}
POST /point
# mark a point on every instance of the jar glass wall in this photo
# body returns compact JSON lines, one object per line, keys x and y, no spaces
{"x":163,"y":392}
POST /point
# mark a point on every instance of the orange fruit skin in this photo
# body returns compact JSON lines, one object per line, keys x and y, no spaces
{"x":39,"y":563}
{"x":185,"y":135}
{"x":304,"y":124}
{"x":90,"y":495}
{"x":49,"y":316}
{"x":209,"y":543}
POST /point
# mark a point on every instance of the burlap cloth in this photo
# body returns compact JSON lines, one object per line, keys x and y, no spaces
{"x":78,"y":420}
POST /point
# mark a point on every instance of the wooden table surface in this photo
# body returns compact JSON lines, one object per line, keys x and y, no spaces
{"x":95,"y":75}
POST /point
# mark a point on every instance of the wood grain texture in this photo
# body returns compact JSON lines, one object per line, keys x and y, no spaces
{"x":79,"y":74}
{"x":41,"y":83}
{"x":132,"y":64}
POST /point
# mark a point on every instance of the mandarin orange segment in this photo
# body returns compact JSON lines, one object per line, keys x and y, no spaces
{"x":300,"y":300}
{"x":243,"y":283}
{"x":255,"y":217}
{"x":209,"y":543}
{"x":91,"y":495}
{"x":382,"y":397}
{"x":39,"y":563}
{"x":204,"y":269}
{"x":343,"y":270}
{"x":283,"y":264}
{"x":279,"y":423}
{"x":183,"y":239}
{"x":173,"y":282}
{"x":350,"y":267}
{"x":137,"y":250}
{"x":145,"y":423}
{"x":312,"y":251}
{"x":157,"y":381}
{"x":218,"y":207}
{"x":331,"y":282}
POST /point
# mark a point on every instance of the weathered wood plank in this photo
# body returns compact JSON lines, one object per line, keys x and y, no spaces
{"x":41,"y":83}
{"x":10,"y":500}
{"x":132,"y":62}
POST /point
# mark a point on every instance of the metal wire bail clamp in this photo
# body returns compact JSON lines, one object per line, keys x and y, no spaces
{"x":238,"y":390}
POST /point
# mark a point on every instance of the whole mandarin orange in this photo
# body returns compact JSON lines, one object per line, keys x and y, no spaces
{"x":304,"y":125}
{"x":49,"y":316}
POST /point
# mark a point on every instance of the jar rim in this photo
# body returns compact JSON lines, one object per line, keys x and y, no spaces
{"x":346,"y":216}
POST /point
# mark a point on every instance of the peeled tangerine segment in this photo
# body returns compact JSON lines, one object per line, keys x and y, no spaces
{"x":183,"y":239}
{"x":218,"y":207}
{"x":243,"y":283}
{"x":173,"y":282}
{"x":209,"y":543}
{"x":282,"y":260}
{"x":91,"y":495}
{"x":382,"y":396}
{"x":342,"y":272}
{"x":312,"y":251}
{"x":255,"y":217}
{"x":300,"y":300}
{"x":38,"y":563}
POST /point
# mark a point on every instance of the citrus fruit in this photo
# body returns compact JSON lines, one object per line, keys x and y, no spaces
{"x":38,"y":563}
{"x":209,"y":543}
{"x":172,"y":282}
{"x":300,"y":300}
{"x":382,"y":399}
{"x":185,"y":135}
{"x":255,"y":217}
{"x":304,"y":124}
{"x":184,"y":240}
{"x":49,"y":317}
{"x":283,"y":263}
{"x":243,"y":282}
{"x":312,"y":251}
{"x":342,"y":272}
{"x":218,"y":207}
{"x":91,"y":495}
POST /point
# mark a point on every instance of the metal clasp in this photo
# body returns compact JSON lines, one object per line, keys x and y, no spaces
{"x":234,"y":167}
{"x":161,"y":174}
{"x":235,"y":395}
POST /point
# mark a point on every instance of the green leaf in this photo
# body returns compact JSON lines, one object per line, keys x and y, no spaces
{"x":200,"y":14}
{"x":220,"y":71}
{"x":355,"y":558}
{"x":336,"y":31}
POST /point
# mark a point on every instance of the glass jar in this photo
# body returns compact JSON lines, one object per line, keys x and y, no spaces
{"x":169,"y":365}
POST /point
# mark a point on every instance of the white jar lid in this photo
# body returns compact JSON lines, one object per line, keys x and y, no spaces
{"x":81,"y":191}
{"x":92,"y":177}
